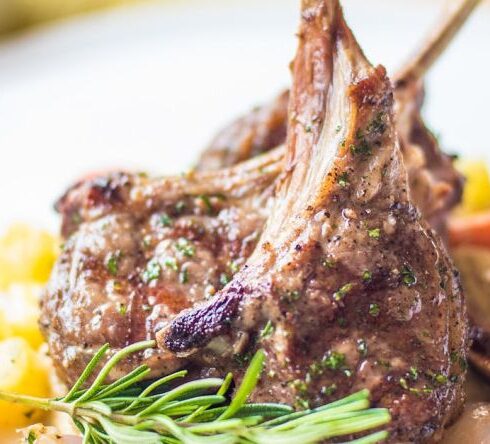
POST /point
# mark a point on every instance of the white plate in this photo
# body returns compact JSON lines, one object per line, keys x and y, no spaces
{"x":147,"y":86}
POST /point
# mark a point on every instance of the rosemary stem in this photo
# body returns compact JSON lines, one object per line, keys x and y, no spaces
{"x":121,"y":354}
{"x":129,"y":420}
{"x":195,"y":412}
{"x":40,"y":403}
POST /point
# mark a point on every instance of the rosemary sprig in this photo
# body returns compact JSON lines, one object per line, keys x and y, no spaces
{"x":195,"y":412}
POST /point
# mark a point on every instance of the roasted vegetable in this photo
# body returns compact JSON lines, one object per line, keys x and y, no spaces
{"x":26,"y":255}
{"x":19,"y":309}
{"x":476,"y":195}
{"x":22,"y":371}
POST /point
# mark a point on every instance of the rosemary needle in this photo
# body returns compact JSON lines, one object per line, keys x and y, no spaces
{"x":195,"y":412}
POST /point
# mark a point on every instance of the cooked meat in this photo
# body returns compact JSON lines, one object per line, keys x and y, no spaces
{"x":435,"y":184}
{"x":474,"y":264}
{"x":255,"y":133}
{"x":358,"y":291}
{"x":354,"y":288}
{"x":436,"y":187}
{"x":140,"y":250}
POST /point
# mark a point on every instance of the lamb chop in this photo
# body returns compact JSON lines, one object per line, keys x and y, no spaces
{"x":349,"y":284}
{"x":139,"y":251}
{"x":436,"y":185}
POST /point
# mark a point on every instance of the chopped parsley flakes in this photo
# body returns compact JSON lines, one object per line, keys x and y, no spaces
{"x":374,"y":233}
{"x":122,"y":309}
{"x":184,"y":276}
{"x":185,"y":247}
{"x":165,"y":220}
{"x":343,"y":180}
{"x":408,"y":277}
{"x":171,"y":263}
{"x":112,"y":263}
{"x":367,"y":275}
{"x":342,"y":291}
{"x":374,"y":310}
{"x":224,"y":279}
{"x":152,"y":271}
{"x":267,"y":330}
{"x":333,"y":360}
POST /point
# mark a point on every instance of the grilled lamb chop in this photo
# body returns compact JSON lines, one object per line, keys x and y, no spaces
{"x":358,"y":290}
{"x":139,"y":251}
{"x":435,"y":184}
{"x":257,"y":132}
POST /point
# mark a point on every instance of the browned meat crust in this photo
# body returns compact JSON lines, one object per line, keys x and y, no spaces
{"x":358,"y":289}
{"x":435,"y":184}
{"x":140,"y":250}
{"x":257,"y":132}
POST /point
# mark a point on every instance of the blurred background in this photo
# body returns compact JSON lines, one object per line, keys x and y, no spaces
{"x":94,"y":84}
{"x":16,"y":15}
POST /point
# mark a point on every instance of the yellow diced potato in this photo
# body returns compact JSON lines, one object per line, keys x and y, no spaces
{"x":5,"y":331}
{"x":21,"y":371}
{"x":19,"y":309}
{"x":26,"y":255}
{"x":476,"y":195}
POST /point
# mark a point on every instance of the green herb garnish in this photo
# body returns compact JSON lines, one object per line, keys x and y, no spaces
{"x":343,"y":180}
{"x":375,"y":233}
{"x":291,"y":296}
{"x":31,"y":438}
{"x":128,"y":411}
{"x":374,"y":309}
{"x":207,"y":202}
{"x":367,"y":276}
{"x":334,"y":360}
{"x":152,"y":271}
{"x":224,"y":279}
{"x":361,"y":148}
{"x":267,"y":330}
{"x":440,"y":378}
{"x":122,"y":309}
{"x":328,"y":262}
{"x":112,"y":262}
{"x":171,"y":263}
{"x":330,"y":390}
{"x":165,"y":220}
{"x":342,"y":291}
{"x":234,"y":267}
{"x":185,"y":247}
{"x":414,"y":374}
{"x":377,"y":125}
{"x":408,"y":276}
{"x":184,"y":276}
